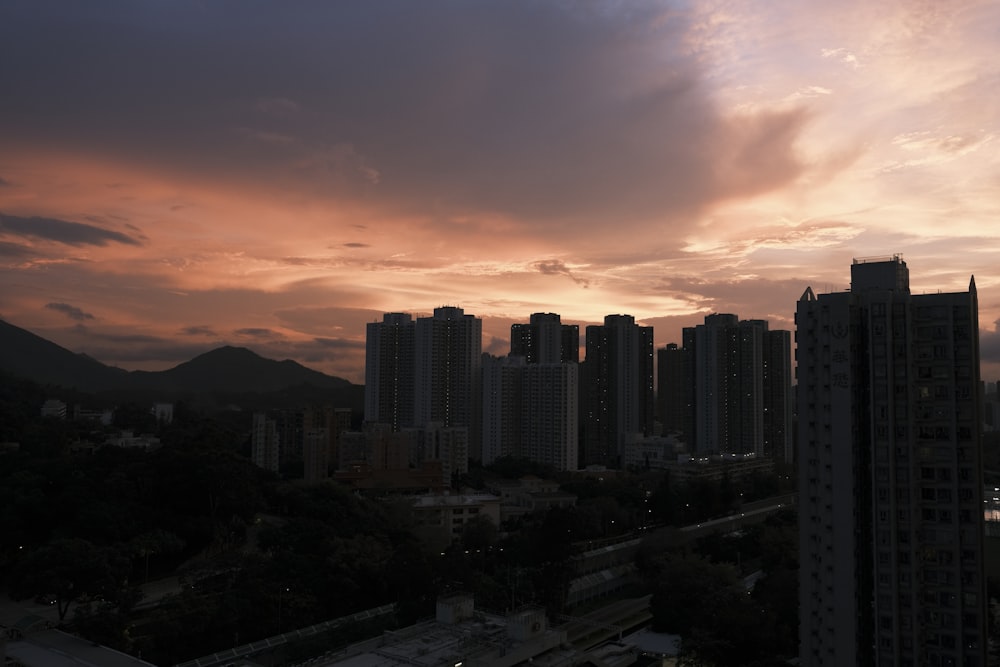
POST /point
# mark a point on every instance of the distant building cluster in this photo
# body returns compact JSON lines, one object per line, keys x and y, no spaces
{"x":434,"y":401}
{"x":727,"y":390}
{"x":55,"y":408}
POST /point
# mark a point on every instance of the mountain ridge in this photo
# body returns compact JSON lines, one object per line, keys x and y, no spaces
{"x":226,"y":369}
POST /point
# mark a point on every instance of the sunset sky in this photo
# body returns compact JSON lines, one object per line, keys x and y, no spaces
{"x":177,"y":175}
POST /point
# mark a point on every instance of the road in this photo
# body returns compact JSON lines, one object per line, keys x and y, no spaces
{"x":608,"y":622}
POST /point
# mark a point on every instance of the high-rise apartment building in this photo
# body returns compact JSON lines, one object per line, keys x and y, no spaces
{"x":778,"y":400}
{"x":264,"y":442}
{"x":448,"y":373}
{"x":550,"y":414}
{"x":316,"y":454}
{"x":502,"y":406}
{"x":890,"y":474}
{"x":530,"y":410}
{"x":674,"y":393}
{"x":727,"y":390}
{"x":545,"y":340}
{"x":617,"y":388}
{"x":390,"y":367}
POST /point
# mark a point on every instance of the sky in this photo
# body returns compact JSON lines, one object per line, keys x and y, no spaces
{"x":179,"y":175}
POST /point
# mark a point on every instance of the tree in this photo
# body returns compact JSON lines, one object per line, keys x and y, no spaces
{"x":152,"y":543}
{"x":688,"y":591}
{"x":69,"y":569}
{"x":479,"y":533}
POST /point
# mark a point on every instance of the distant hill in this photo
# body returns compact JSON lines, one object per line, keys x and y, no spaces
{"x":230,"y":369}
{"x":226,"y":370}
{"x":26,"y":355}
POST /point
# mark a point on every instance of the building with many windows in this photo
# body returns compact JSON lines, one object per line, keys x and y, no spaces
{"x":727,"y":390}
{"x":530,"y":410}
{"x":265,"y":442}
{"x":545,"y":340}
{"x":390,"y":364}
{"x":890,"y":474}
{"x":448,"y":373}
{"x":617,"y":382}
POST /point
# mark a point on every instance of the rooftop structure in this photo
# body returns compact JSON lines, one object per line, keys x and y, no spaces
{"x":459,"y":635}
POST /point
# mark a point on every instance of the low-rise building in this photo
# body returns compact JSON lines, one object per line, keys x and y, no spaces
{"x":716,"y":468}
{"x":54,"y":408}
{"x":458,"y":635}
{"x":529,"y":494}
{"x":653,"y":452}
{"x":164,"y":412}
{"x":128,"y":440}
{"x":439,"y":519}
{"x":103,"y":415}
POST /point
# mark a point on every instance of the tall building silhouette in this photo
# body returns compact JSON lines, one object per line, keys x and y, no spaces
{"x":545,"y":340}
{"x":728,"y":389}
{"x":890,"y":474}
{"x":390,"y":368}
{"x":741,"y":386}
{"x":530,"y":410}
{"x":675,"y":391}
{"x":502,"y":406}
{"x":617,"y":388}
{"x":448,"y":373}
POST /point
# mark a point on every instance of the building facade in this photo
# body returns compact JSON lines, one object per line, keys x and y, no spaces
{"x":545,"y":340}
{"x":264,"y":442}
{"x":531,"y":410}
{"x":740,"y":387}
{"x":502,"y":402}
{"x":617,"y":398}
{"x":674,"y":396}
{"x":890,"y":474}
{"x":728,"y":388}
{"x":448,"y":373}
{"x":390,"y":365}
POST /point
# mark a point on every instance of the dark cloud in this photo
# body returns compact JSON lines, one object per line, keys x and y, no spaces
{"x":497,"y":346}
{"x":198,"y":330}
{"x":69,"y":311}
{"x":16,"y":250}
{"x":254,"y":332}
{"x":4,"y":183}
{"x":566,"y":115}
{"x":357,"y":245}
{"x":341,"y":343}
{"x":989,"y":345}
{"x":555,"y":267}
{"x":151,"y":349}
{"x":118,"y":338}
{"x":62,"y":231}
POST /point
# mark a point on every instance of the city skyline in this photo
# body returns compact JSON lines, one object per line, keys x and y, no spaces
{"x":179,"y":176}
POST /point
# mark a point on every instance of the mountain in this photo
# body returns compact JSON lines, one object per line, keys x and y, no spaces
{"x":26,"y":355}
{"x":226,"y":370}
{"x":229,"y":369}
